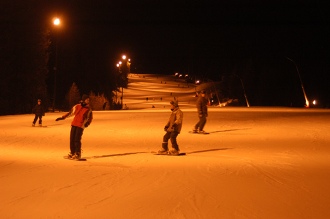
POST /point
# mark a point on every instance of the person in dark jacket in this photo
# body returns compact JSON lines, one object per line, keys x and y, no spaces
{"x":39,"y":112}
{"x":172,"y":129}
{"x":83,"y":117}
{"x":202,"y":112}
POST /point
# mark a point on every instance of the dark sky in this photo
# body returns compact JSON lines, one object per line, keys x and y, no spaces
{"x":249,"y":38}
{"x":208,"y":38}
{"x":169,"y":36}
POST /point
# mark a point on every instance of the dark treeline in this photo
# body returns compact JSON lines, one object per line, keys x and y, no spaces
{"x":29,"y":45}
{"x":23,"y":57}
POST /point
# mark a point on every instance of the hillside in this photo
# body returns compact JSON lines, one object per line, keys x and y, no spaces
{"x":255,"y":163}
{"x":156,"y":91}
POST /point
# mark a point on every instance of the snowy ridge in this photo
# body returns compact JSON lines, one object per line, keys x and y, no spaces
{"x":151,"y":90}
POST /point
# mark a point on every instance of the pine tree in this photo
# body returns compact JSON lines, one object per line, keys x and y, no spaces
{"x":73,"y":96}
{"x":97,"y":101}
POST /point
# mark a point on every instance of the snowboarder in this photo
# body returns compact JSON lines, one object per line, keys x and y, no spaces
{"x":39,"y":112}
{"x":202,"y":113}
{"x":83,"y":117}
{"x":172,"y":129}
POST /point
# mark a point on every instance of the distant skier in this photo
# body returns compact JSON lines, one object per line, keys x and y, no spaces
{"x":38,"y":111}
{"x":202,"y":113}
{"x":172,"y":128}
{"x":83,"y":117}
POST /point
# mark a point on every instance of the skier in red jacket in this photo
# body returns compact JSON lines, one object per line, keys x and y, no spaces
{"x":83,"y":117}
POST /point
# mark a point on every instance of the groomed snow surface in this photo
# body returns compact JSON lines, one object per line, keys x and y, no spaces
{"x":255,"y":163}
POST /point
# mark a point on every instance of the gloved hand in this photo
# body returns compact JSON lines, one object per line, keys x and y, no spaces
{"x":165,"y":128}
{"x":59,"y":118}
{"x":86,"y":124}
{"x":174,"y":127}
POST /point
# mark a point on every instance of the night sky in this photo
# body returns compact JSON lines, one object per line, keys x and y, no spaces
{"x":209,"y":39}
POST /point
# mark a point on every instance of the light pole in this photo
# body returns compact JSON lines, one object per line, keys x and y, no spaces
{"x":216,"y":93}
{"x":301,"y":83}
{"x":246,"y":100}
{"x":118,"y":81}
{"x":129,"y":65}
{"x":56,"y":23}
{"x":123,"y":69}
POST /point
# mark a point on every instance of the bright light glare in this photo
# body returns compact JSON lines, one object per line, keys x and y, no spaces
{"x":124,"y":57}
{"x":314,"y":102}
{"x":57,"y":21}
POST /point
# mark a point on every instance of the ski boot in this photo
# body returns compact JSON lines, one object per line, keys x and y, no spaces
{"x":164,"y":149}
{"x":76,"y":156}
{"x":174,"y":152}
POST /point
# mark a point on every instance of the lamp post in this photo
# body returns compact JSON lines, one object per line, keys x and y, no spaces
{"x":246,"y":100}
{"x":118,"y":80}
{"x":56,"y":23}
{"x":301,"y":83}
{"x":129,"y":65}
{"x":123,"y":69}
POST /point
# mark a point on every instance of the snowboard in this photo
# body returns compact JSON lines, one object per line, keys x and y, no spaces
{"x":180,"y":154}
{"x":197,"y":133}
{"x":81,"y":159}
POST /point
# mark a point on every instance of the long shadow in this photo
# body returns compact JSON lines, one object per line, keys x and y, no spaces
{"x":208,"y":150}
{"x":114,"y":155}
{"x":133,"y":153}
{"x":228,"y":130}
{"x":55,"y":124}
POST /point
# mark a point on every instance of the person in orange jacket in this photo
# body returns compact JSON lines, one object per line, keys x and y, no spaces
{"x":83,"y":117}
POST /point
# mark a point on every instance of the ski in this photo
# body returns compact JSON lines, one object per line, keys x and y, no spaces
{"x":166,"y":154}
{"x":80,"y":159}
{"x":199,"y":133}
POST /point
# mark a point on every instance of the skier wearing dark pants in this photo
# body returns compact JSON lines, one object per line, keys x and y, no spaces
{"x":39,"y":112}
{"x":201,"y":105}
{"x":83,"y":117}
{"x":172,"y":128}
{"x":75,"y":140}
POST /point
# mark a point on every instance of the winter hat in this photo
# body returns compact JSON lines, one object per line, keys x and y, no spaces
{"x":174,"y":103}
{"x":84,"y":97}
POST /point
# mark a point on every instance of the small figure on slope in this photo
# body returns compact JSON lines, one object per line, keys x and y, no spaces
{"x":201,"y":105}
{"x":172,"y":128}
{"x":83,"y":117}
{"x":39,"y":111}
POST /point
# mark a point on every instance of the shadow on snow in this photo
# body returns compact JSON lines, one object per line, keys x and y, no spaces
{"x":132,"y":153}
{"x":228,"y":130}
